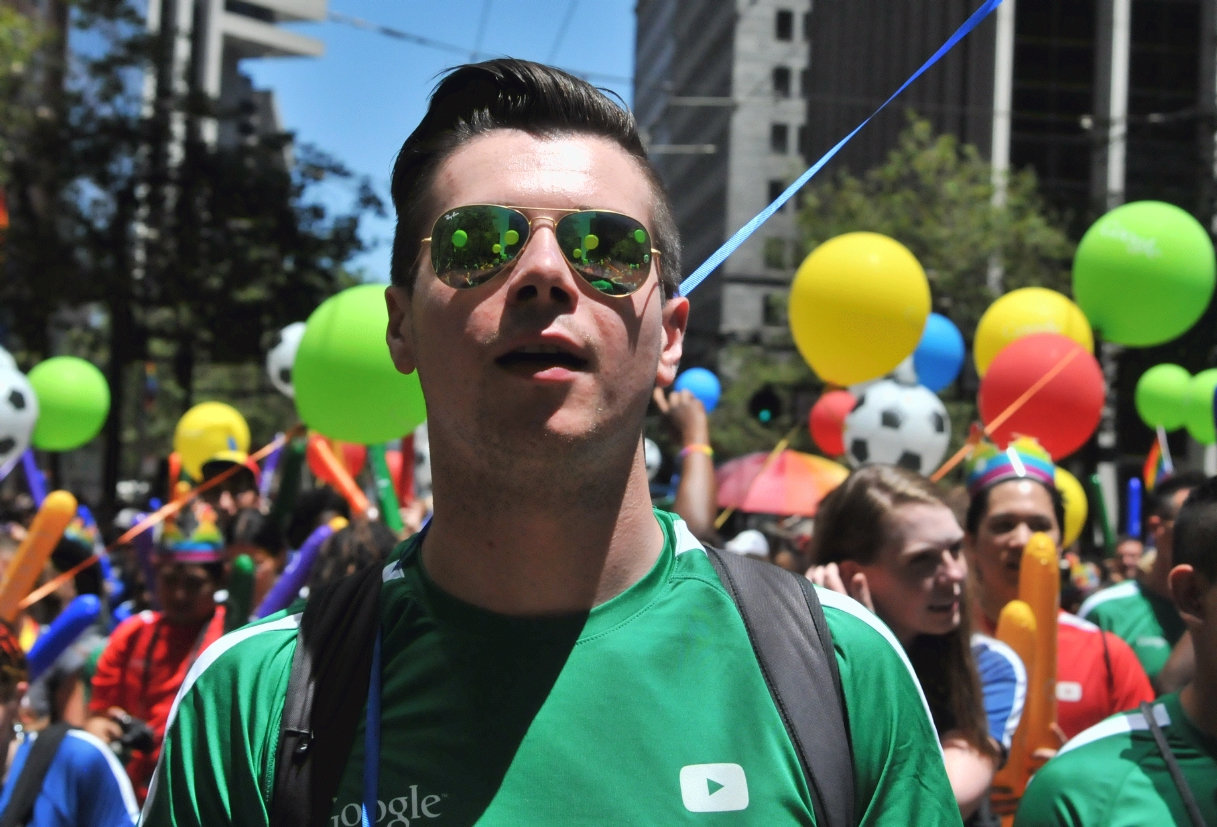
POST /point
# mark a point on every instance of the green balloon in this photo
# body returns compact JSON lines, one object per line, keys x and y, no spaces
{"x":73,"y":402}
{"x":1199,"y":407}
{"x":346,"y":384}
{"x":1162,"y":396}
{"x":1144,"y":273}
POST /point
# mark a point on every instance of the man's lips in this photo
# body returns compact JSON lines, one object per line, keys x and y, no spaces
{"x":546,"y":360}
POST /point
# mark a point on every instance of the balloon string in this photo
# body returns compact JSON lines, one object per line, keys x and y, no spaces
{"x":769,"y":460}
{"x":160,"y":515}
{"x":1001,"y":418}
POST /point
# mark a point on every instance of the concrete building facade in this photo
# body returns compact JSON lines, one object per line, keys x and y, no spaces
{"x":211,"y":38}
{"x":718,"y":92}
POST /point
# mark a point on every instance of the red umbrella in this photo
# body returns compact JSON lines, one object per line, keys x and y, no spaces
{"x":794,"y":483}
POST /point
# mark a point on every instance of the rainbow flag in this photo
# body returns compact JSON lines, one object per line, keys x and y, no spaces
{"x":1155,"y":469}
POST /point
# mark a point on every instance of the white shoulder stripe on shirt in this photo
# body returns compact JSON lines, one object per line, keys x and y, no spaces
{"x":1128,"y":588}
{"x":116,"y":769}
{"x":1076,"y":622}
{"x":1117,"y":725}
{"x":840,"y":602}
{"x":685,"y":542}
{"x":209,"y":656}
{"x":1020,"y":681}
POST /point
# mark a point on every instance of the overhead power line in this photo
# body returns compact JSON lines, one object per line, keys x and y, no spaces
{"x":432,"y":43}
{"x":562,"y":29}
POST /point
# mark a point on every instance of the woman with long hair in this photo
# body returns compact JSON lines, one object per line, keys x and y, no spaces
{"x":886,"y":538}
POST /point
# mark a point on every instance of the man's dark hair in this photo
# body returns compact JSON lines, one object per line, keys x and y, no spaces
{"x":979,"y":507}
{"x":251,"y":527}
{"x":1196,"y":530}
{"x":1161,"y":503}
{"x":507,"y":93}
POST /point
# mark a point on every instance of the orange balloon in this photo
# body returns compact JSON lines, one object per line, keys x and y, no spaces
{"x":52,"y":518}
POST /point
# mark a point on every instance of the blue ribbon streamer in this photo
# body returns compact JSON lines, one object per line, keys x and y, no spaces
{"x":371,"y":749}
{"x":720,"y":255}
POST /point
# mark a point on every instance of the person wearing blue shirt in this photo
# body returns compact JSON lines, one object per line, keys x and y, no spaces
{"x":84,"y":786}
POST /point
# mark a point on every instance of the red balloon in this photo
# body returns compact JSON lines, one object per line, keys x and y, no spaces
{"x":353,"y":458}
{"x":827,"y":421}
{"x":393,"y":459}
{"x":1064,"y":413}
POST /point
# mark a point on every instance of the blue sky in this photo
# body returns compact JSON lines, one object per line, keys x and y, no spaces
{"x":361,"y":100}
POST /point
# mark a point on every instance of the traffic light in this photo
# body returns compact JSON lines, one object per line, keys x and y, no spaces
{"x":765,"y":405}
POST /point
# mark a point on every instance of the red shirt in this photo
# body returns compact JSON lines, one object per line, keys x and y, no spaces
{"x":1093,"y":684}
{"x":1093,"y":680}
{"x":140,"y":671}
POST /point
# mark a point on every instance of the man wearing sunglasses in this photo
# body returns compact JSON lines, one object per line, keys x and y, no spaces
{"x":551,"y":651}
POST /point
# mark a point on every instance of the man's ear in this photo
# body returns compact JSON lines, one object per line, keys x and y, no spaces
{"x":675,"y":321}
{"x":1152,"y":523}
{"x":1188,"y":588}
{"x":400,"y":333}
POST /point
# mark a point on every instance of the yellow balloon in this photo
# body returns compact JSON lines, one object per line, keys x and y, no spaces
{"x":204,"y":431}
{"x":858,"y":306}
{"x":1076,"y":506}
{"x":1023,"y":312}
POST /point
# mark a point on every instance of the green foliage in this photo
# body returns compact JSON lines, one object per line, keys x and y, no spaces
{"x":935,"y":196}
{"x":188,"y":256}
{"x":19,"y":40}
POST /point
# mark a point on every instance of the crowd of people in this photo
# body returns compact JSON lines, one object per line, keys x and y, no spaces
{"x":543,"y":646}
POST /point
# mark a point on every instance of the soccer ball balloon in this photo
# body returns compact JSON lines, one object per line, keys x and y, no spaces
{"x":652,"y":456}
{"x":282,"y":356}
{"x":895,"y":424}
{"x":18,"y":415}
{"x":7,"y":362}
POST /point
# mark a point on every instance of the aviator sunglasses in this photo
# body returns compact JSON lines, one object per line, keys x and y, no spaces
{"x":473,"y":244}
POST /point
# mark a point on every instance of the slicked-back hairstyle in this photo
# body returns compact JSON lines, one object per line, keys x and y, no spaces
{"x":1196,"y":530}
{"x":506,"y":93}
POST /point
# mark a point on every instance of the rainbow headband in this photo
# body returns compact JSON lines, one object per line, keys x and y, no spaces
{"x":1022,"y":459}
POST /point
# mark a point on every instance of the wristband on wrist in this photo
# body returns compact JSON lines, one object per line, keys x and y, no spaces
{"x":697,"y":448}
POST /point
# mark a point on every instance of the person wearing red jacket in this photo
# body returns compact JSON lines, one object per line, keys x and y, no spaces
{"x":149,"y":655}
{"x":1013,"y":495}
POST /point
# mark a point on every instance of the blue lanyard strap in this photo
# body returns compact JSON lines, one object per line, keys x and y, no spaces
{"x":732,"y":244}
{"x":371,"y":748}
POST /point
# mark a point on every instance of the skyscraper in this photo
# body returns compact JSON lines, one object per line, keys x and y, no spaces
{"x":718,"y":92}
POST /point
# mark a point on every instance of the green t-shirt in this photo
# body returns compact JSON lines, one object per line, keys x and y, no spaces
{"x":650,"y":709}
{"x":1148,"y":623}
{"x":1114,"y":775}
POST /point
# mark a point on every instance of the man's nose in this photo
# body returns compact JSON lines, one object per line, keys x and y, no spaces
{"x":541,"y":274}
{"x":1021,"y":535}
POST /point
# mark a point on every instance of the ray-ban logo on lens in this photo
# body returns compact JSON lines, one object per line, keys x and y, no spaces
{"x":713,"y":788}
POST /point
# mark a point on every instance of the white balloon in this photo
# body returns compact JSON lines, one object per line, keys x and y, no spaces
{"x":7,"y":362}
{"x":18,"y":415}
{"x":652,"y":456}
{"x":895,"y":424}
{"x":282,"y":356}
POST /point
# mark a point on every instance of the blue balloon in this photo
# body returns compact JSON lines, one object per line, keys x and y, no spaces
{"x":703,"y":384}
{"x":940,"y":354}
{"x":80,"y":614}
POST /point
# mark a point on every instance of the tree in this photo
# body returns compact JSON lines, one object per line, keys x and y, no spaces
{"x":187,"y":253}
{"x":935,"y":196}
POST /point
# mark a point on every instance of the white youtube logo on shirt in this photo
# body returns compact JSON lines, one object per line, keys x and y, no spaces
{"x":713,"y":788}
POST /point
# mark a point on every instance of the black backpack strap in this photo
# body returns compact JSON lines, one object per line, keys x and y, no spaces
{"x":1172,"y":764}
{"x":28,"y":786}
{"x":326,"y":694}
{"x":790,"y":636}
